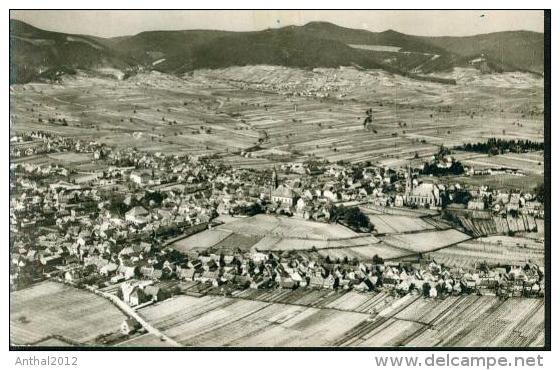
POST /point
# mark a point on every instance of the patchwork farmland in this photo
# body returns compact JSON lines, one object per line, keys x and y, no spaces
{"x":267,"y":233}
{"x":348,"y":320}
{"x":228,"y":111}
{"x":488,"y":225}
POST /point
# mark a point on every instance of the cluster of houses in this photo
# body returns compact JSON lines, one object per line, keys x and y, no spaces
{"x":113,"y":226}
{"x":312,"y":195}
{"x":42,"y":142}
{"x":55,"y":222}
{"x":502,"y":202}
{"x":256,"y":270}
{"x":146,"y":283}
{"x":322,"y":85}
{"x":266,"y":271}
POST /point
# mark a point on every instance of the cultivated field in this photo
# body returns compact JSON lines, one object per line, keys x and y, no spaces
{"x":525,"y":183}
{"x":49,"y":308}
{"x":296,"y":113}
{"x":366,"y":253}
{"x":421,"y":242}
{"x":403,"y":236}
{"x":218,"y":321}
{"x":369,"y":303}
{"x":305,"y":317}
{"x":473,"y":252}
{"x":292,"y":227}
{"x":390,"y":224}
{"x":53,"y":342}
{"x":457,"y":321}
{"x":268,"y":233}
{"x":371,"y":209}
{"x":489,"y":225}
{"x":144,"y":340}
{"x":528,"y":163}
{"x":72,"y":158}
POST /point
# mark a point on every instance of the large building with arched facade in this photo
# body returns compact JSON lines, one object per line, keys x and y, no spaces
{"x":422,"y":195}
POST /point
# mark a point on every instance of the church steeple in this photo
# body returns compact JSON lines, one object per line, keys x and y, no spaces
{"x":274,"y":182}
{"x":408,"y":188}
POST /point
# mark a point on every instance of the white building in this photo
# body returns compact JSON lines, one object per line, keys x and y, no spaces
{"x":423,"y":194}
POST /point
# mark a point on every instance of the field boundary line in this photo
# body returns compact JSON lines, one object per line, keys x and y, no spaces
{"x":332,"y":308}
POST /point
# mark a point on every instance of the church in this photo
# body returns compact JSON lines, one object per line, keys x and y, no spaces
{"x":282,"y":194}
{"x":421,"y":195}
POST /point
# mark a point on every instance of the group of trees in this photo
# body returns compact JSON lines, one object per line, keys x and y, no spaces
{"x":495,"y":146}
{"x":456,"y":168}
{"x":352,"y":217}
{"x":540,"y":192}
{"x":62,"y":121}
{"x":250,"y":209}
{"x":368,"y":121}
{"x":156,"y":196}
{"x":119,"y":206}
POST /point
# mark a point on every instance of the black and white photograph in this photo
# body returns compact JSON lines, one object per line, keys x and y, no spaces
{"x":279,"y":179}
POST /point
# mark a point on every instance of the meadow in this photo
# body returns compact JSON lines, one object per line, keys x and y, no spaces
{"x":50,"y":308}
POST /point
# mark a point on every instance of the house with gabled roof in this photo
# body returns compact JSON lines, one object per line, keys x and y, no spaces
{"x":137,"y":215}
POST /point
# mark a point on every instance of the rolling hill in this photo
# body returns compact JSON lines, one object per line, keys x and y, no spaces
{"x":515,"y":50}
{"x":39,"y":54}
{"x":35,"y":53}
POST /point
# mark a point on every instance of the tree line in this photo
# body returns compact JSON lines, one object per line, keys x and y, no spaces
{"x":495,"y":146}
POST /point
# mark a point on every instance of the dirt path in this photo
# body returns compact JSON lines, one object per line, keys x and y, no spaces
{"x":132,"y":313}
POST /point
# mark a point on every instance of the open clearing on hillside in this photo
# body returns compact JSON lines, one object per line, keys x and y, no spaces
{"x":50,"y":308}
{"x":352,"y":319}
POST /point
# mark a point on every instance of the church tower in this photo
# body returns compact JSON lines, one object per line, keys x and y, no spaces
{"x":408,"y":188}
{"x":273,"y":182}
{"x":274,"y":178}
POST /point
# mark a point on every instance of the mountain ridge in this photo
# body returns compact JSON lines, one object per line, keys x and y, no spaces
{"x":39,"y":54}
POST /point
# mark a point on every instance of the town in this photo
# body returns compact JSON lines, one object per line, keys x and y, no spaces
{"x":114,"y":229}
{"x":296,"y":186}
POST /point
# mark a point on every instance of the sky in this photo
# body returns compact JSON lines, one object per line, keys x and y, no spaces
{"x":424,"y":23}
